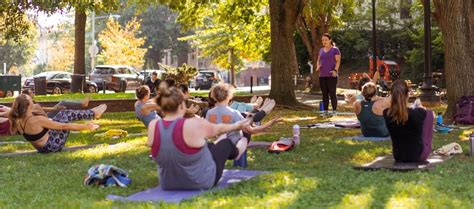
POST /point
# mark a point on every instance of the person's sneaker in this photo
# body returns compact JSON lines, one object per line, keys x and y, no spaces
{"x":334,"y":113}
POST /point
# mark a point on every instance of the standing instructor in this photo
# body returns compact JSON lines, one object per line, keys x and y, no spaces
{"x":328,"y":64}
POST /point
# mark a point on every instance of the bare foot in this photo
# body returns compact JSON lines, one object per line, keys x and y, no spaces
{"x":86,"y":101}
{"x":253,"y":99}
{"x":268,"y":107}
{"x":242,"y":146}
{"x":259,"y":102}
{"x":99,"y":110}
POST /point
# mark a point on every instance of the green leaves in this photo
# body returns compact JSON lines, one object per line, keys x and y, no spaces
{"x":120,"y":44}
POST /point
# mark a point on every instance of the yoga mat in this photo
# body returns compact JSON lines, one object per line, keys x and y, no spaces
{"x":12,"y":142}
{"x":335,"y":124}
{"x":363,"y":138}
{"x":387,"y":162}
{"x":172,"y":196}
{"x":72,"y":148}
{"x":254,"y":144}
{"x":338,"y":113}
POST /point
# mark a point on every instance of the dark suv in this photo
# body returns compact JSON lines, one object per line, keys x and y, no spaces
{"x":117,"y":78}
{"x":206,"y":79}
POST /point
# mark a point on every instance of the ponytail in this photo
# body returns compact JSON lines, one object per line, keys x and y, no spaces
{"x":398,"y":110}
{"x":19,"y":108}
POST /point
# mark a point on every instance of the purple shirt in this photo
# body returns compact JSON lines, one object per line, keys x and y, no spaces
{"x":327,"y":61}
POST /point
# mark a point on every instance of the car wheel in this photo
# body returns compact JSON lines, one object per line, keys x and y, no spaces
{"x":57,"y":90}
{"x":197,"y":88}
{"x":92,"y":89}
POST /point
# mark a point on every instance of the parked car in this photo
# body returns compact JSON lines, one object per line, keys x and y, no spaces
{"x":145,"y":76}
{"x":57,"y":82}
{"x":117,"y":78}
{"x":206,"y":79}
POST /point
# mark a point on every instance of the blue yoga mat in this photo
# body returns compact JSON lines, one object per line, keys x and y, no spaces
{"x":363,"y":138}
{"x":157,"y":194}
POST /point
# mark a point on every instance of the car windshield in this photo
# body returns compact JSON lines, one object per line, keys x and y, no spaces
{"x":206,"y":74}
{"x":103,"y":71}
{"x":48,"y":75}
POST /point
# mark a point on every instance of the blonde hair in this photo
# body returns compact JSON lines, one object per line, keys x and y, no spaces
{"x":368,"y":91}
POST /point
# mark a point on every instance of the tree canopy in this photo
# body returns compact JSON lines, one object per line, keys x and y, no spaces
{"x":120,"y":44}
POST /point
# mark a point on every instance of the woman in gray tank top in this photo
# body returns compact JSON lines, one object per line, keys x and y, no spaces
{"x":185,"y":160}
{"x":144,"y":110}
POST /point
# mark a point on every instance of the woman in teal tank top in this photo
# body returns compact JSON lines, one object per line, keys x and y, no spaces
{"x":370,"y":112}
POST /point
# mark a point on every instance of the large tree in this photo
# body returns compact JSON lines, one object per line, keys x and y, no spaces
{"x":456,"y":20}
{"x":15,"y":27}
{"x":283,"y":17}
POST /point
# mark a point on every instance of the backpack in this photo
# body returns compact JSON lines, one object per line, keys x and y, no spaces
{"x":465,"y":110}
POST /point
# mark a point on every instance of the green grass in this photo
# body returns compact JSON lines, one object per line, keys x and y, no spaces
{"x":101,"y":96}
{"x":316,"y":174}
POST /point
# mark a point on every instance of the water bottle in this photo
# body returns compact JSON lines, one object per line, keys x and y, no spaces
{"x":439,"y":119}
{"x":321,"y":106}
{"x":296,"y":134}
{"x":471,"y":143}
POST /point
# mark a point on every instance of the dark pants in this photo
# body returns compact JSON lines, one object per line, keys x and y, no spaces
{"x":222,"y":151}
{"x":328,"y":87}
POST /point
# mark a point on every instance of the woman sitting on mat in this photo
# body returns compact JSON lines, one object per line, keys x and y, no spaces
{"x":185,"y":160}
{"x":222,"y":93}
{"x":411,"y":129}
{"x":49,"y":135}
{"x":369,"y":112}
{"x":143,"y":95}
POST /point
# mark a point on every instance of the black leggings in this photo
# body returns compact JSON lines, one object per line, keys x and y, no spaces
{"x":328,"y":87}
{"x":222,"y":151}
{"x":257,"y":116}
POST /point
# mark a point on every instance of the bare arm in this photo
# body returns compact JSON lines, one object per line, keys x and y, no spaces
{"x":357,"y":108}
{"x":211,"y":130}
{"x":317,"y":64}
{"x":151,"y":132}
{"x":46,"y":123}
{"x":149,"y":107}
{"x":257,"y":129}
{"x":338,"y":62}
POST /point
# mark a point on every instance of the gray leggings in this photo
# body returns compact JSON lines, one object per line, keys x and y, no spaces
{"x":70,"y":105}
{"x":57,"y":138}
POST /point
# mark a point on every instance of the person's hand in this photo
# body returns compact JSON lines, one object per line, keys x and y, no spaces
{"x":60,"y":107}
{"x":245,"y":124}
{"x":317,"y":69}
{"x":91,"y":126}
{"x":276,"y":120}
{"x":334,"y":73}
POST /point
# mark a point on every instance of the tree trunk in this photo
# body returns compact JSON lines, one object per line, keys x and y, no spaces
{"x":283,"y":16}
{"x":232,"y":68}
{"x":79,"y":50}
{"x":455,"y":18}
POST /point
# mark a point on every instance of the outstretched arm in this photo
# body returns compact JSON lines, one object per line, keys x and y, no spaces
{"x":46,"y":123}
{"x":254,"y":130}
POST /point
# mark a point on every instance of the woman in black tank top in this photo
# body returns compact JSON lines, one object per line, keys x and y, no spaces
{"x":49,"y":135}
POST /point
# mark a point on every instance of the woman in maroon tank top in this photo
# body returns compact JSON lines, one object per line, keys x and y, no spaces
{"x":189,"y":137}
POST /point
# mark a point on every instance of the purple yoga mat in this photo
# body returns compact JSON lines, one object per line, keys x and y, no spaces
{"x":157,"y":194}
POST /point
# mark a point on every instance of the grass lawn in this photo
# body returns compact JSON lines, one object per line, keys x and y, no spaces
{"x":101,"y":96}
{"x":317,"y":174}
